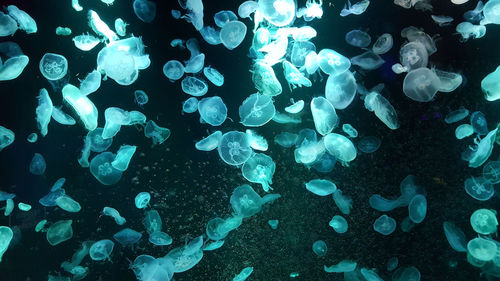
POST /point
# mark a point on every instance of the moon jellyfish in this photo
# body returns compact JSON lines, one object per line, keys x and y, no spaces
{"x":455,"y":236}
{"x":383,"y":44}
{"x":103,"y":171}
{"x":96,"y":142}
{"x":339,"y":224}
{"x":120,"y":27}
{"x":369,"y":144}
{"x":482,"y":249}
{"x":68,"y":204}
{"x":491,"y":172}
{"x":479,"y":188}
{"x":209,"y":143}
{"x":324,"y":115}
{"x":259,"y":169}
{"x":112,"y":212}
{"x":319,"y":248}
{"x":145,"y":10}
{"x":491,"y":12}
{"x":194,"y":86}
{"x":195,"y":14}
{"x":232,"y":34}
{"x":101,"y":250}
{"x":223,"y":17}
{"x":6,"y":137}
{"x":91,"y":83}
{"x":195,"y":64}
{"x":456,"y":115}
{"x":212,"y":110}
{"x":368,"y":60}
{"x":247,"y":8}
{"x":332,"y":62}
{"x":339,"y":146}
{"x":311,"y":11}
{"x":213,"y":75}
{"x":140,"y":97}
{"x":59,"y":232}
{"x":277,"y":12}
{"x":190,"y":105}
{"x":482,"y":150}
{"x":32,"y":138}
{"x":123,"y":157}
{"x":53,"y":66}
{"x":294,"y":77}
{"x":442,"y":20}
{"x":358,"y":38}
{"x":417,"y":208}
{"x":8,"y":26}
{"x":173,"y":70}
{"x":349,"y":130}
{"x":160,"y":238}
{"x":378,"y":104}
{"x":218,"y":228}
{"x":484,"y":221}
{"x":340,"y":89}
{"x":184,"y":260}
{"x":342,"y":266}
{"x":384,"y":225}
{"x":152,"y":221}
{"x":127,"y":236}
{"x":211,"y":35}
{"x":156,"y":133}
{"x":142,"y":200}
{"x":38,"y":165}
{"x":321,"y":187}
{"x":245,"y":201}
{"x":44,"y":111}
{"x":413,"y":55}
{"x":478,"y":123}
{"x":14,"y":61}
{"x":300,"y":50}
{"x":421,"y":84}
{"x":286,"y":139}
{"x":491,"y":85}
{"x":296,"y":107}
{"x":257,"y":141}
{"x":234,"y":148}
{"x":265,"y":80}
{"x":356,"y":9}
{"x":6,"y":236}
{"x":147,"y":268}
{"x":61,"y":117}
{"x":244,"y":274}
{"x":256,"y":110}
{"x":86,"y":42}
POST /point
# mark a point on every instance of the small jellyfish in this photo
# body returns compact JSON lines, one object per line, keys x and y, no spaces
{"x":85,"y":42}
{"x":127,"y":236}
{"x":286,"y":139}
{"x":311,"y":11}
{"x":194,"y":86}
{"x":259,"y":169}
{"x":32,"y":138}
{"x":68,"y":204}
{"x":6,"y":137}
{"x":340,"y":89}
{"x":140,"y":98}
{"x":209,"y":143}
{"x":341,"y":147}
{"x":384,"y":225}
{"x":491,"y":85}
{"x":190,"y":105}
{"x":173,"y":70}
{"x":214,"y":76}
{"x":294,"y":77}
{"x":350,"y":130}
{"x":142,"y":200}
{"x":59,"y":232}
{"x":256,"y":110}
{"x":358,"y":38}
{"x":321,"y":187}
{"x":212,"y":110}
{"x":332,"y":62}
{"x":120,"y":27}
{"x":278,"y":13}
{"x":417,"y":208}
{"x":324,"y":116}
{"x":14,"y":60}
{"x":339,"y":224}
{"x":103,"y":171}
{"x":247,"y":8}
{"x":232,"y":34}
{"x":295,"y":107}
{"x":343,"y":202}
{"x":383,"y":44}
{"x":101,"y":250}
{"x":413,"y":55}
{"x":44,"y":111}
{"x":82,"y":105}
{"x":91,"y":83}
{"x":234,"y":148}
{"x":223,"y":17}
{"x":368,"y":61}
{"x":369,"y":144}
{"x":195,"y":64}
{"x":160,"y":238}
{"x":63,"y":31}
{"x":123,"y":157}
{"x":38,"y":165}
{"x":6,"y":235}
{"x":479,"y":188}
{"x":456,"y":115}
{"x":484,"y":221}
{"x":482,"y":249}
{"x":356,"y":9}
{"x":152,"y":221}
{"x":442,"y":20}
{"x":145,"y":10}
{"x":319,"y":248}
{"x":455,"y":236}
{"x":112,"y":212}
{"x":421,"y":84}
{"x":383,"y":109}
{"x":245,"y":201}
{"x":61,"y":117}
{"x":156,"y":133}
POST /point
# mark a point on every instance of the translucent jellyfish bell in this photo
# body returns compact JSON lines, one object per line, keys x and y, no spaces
{"x":103,"y":171}
{"x":491,"y":12}
{"x":358,"y":38}
{"x":339,"y":224}
{"x":173,"y":70}
{"x":482,"y":249}
{"x":340,"y":89}
{"x":339,"y":146}
{"x":223,"y":17}
{"x":256,"y":110}
{"x":479,"y":188}
{"x":140,"y":97}
{"x":194,"y":86}
{"x":383,"y":44}
{"x":413,"y":55}
{"x":147,"y":268}
{"x":245,"y":201}
{"x":259,"y":169}
{"x":6,"y":236}
{"x":277,"y":12}
{"x":491,"y":85}
{"x":484,"y":221}
{"x":14,"y":61}
{"x":209,"y":143}
{"x":59,"y":232}
{"x":8,"y":26}
{"x":232,"y":34}
{"x":332,"y":62}
{"x":127,"y":236}
{"x":212,"y":110}
{"x":145,"y":10}
{"x":234,"y":148}
{"x":101,"y":250}
{"x":213,"y":75}
{"x":247,"y":8}
{"x":319,"y":248}
{"x":265,"y":80}
{"x":324,"y":115}
{"x":321,"y":187}
{"x":53,"y":66}
{"x":384,"y":225}
{"x":6,"y":137}
{"x":142,"y":200}
{"x":383,"y":109}
{"x":368,"y":60}
{"x":294,"y":77}
{"x":421,"y":84}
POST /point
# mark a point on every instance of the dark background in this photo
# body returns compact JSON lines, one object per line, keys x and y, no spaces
{"x":190,"y":187}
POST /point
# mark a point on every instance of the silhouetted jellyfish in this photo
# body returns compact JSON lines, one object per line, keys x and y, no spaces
{"x":356,"y":9}
{"x":120,"y":27}
{"x":455,"y":236}
{"x":256,"y":110}
{"x":368,"y":60}
{"x":147,"y":268}
{"x":421,"y":84}
{"x":247,"y":8}
{"x":234,"y":148}
{"x":156,"y":133}
{"x":259,"y":169}
{"x":490,"y":12}
{"x":209,"y":143}
{"x":369,"y":144}
{"x":212,"y":110}
{"x":44,"y":111}
{"x":14,"y":61}
{"x":6,"y":236}
{"x":384,"y":225}
{"x":142,"y":200}
{"x":383,"y":44}
{"x":173,"y":70}
{"x":265,"y":80}
{"x":160,"y":238}
{"x":417,"y":208}
{"x":59,"y":232}
{"x":123,"y":157}
{"x":61,"y":117}
{"x":145,"y":10}
{"x":194,"y":86}
{"x":38,"y":165}
{"x":140,"y":97}
{"x":8,"y":26}
{"x":213,"y":75}
{"x":232,"y":34}
{"x":244,"y":274}
{"x":96,"y":142}
{"x":294,"y":77}
{"x":183,"y":261}
{"x":223,"y":17}
{"x":342,"y":266}
{"x":339,"y":224}
{"x":6,"y":137}
{"x":340,"y":89}
{"x":195,"y":12}
{"x":491,"y":85}
{"x":491,"y":172}
{"x":413,"y":55}
{"x":53,"y":66}
{"x":478,"y":123}
{"x":324,"y":115}
{"x":340,"y":147}
{"x":379,"y":105}
{"x":332,"y":62}
{"x":152,"y":221}
{"x":86,"y":42}
{"x":68,"y":204}
{"x":112,"y":212}
{"x":482,"y":249}
{"x":484,"y":221}
{"x":103,"y":171}
{"x":479,"y":188}
{"x":101,"y":250}
{"x":127,"y":237}
{"x":245,"y":201}
{"x":319,"y":248}
{"x":358,"y":38}
{"x":321,"y":187}
{"x":82,"y":105}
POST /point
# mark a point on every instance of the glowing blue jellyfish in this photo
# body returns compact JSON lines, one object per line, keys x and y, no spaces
{"x":286,"y":139}
{"x":358,"y":38}
{"x":247,"y":8}
{"x":342,"y":266}
{"x":413,"y":55}
{"x":417,"y":208}
{"x":38,"y":165}
{"x":160,"y":238}
{"x":147,"y":268}
{"x":61,"y":117}
{"x":463,"y":131}
{"x":91,"y":83}
{"x":6,"y":235}
{"x":321,"y":187}
{"x":245,"y":201}
{"x":482,"y":151}
{"x":68,"y":204}
{"x":86,"y":42}
{"x":257,"y":141}
{"x":97,"y":142}
{"x":456,"y":115}
{"x":223,"y":17}
{"x":379,"y":105}
{"x":103,"y":171}
{"x":442,"y":20}
{"x":195,"y":64}
{"x":350,"y":130}
{"x":101,"y":250}
{"x":340,"y":89}
{"x":209,"y":143}
{"x":294,"y":77}
{"x":368,"y":60}
{"x":278,"y":12}
{"x":184,"y":260}
{"x":421,"y":84}
{"x":152,"y":221}
{"x":256,"y":110}
{"x":211,"y":35}
{"x":156,"y":133}
{"x":259,"y":169}
{"x":455,"y":236}
{"x":195,"y":13}
{"x":44,"y":111}
{"x":112,"y":212}
{"x":383,"y":44}
{"x":491,"y":86}
{"x":14,"y":61}
{"x":59,"y":232}
{"x":369,"y":144}
{"x":356,"y":9}
{"x":82,"y":105}
{"x":265,"y":80}
{"x":479,"y":123}
{"x":120,"y":27}
{"x":232,"y":34}
{"x":339,"y":224}
{"x":244,"y":274}
{"x":343,"y":202}
{"x":449,"y":81}
{"x":145,"y":10}
{"x":123,"y":157}
{"x":6,"y":137}
{"x":53,"y":66}
{"x":212,"y":110}
{"x":319,"y":248}
{"x":213,"y":76}
{"x":140,"y":97}
{"x":127,"y":236}
{"x":332,"y":62}
{"x":32,"y":138}
{"x":490,"y":12}
{"x":295,"y":107}
{"x":234,"y":148}
{"x":311,"y":11}
{"x":173,"y":70}
{"x":340,"y":147}
{"x":324,"y":115}
{"x":25,"y":21}
{"x":142,"y":200}
{"x":194,"y":86}
{"x":218,"y":228}
{"x":384,"y":225}
{"x":479,"y":188}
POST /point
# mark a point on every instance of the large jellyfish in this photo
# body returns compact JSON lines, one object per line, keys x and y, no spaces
{"x":101,"y":250}
{"x":234,"y":148}
{"x":277,"y":12}
{"x":103,"y":171}
{"x":194,"y":86}
{"x":14,"y":61}
{"x":324,"y":115}
{"x":256,"y":110}
{"x":195,"y":14}
{"x":212,"y":110}
{"x":232,"y":34}
{"x":259,"y":169}
{"x":59,"y":232}
{"x":421,"y":84}
{"x":332,"y":62}
{"x":340,"y":89}
{"x":145,"y":10}
{"x":173,"y":70}
{"x":53,"y":66}
{"x":340,"y":147}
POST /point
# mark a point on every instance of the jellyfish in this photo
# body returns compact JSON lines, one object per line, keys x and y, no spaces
{"x":294,"y":77}
{"x":259,"y":169}
{"x":324,"y":115}
{"x":91,"y":83}
{"x":384,"y":225}
{"x":349,"y":130}
{"x":86,"y":42}
{"x":483,"y":150}
{"x":321,"y":187}
{"x":343,"y":202}
{"x":32,"y":138}
{"x":244,"y":274}
{"x":68,"y":204}
{"x":286,"y":139}
{"x":491,"y":172}
{"x":356,"y":9}
{"x":332,"y":62}
{"x":358,"y":38}
{"x":38,"y":165}
{"x":449,"y":81}
{"x":156,"y":133}
{"x":103,"y":171}
{"x":342,"y":266}
{"x":368,"y":60}
{"x":463,"y":131}
{"x":160,"y":238}
{"x":212,"y":110}
{"x":145,"y":10}
{"x":44,"y":111}
{"x":59,"y":232}
{"x":142,"y":200}
{"x":8,"y":25}
{"x":6,"y":235}
{"x":340,"y":147}
{"x":61,"y":117}
{"x":127,"y":236}
{"x":478,"y":123}
{"x":194,"y":86}
{"x":245,"y":201}
{"x":53,"y":66}
{"x":183,"y":261}
{"x":311,"y":11}
{"x":49,"y":200}
{"x":256,"y":110}
{"x":112,"y":212}
{"x":383,"y":44}
{"x":234,"y":148}
{"x":273,"y":224}
{"x":101,"y":250}
{"x":490,"y":12}
{"x":147,"y":268}
{"x":265,"y":80}
{"x":369,"y":144}
{"x":491,"y":85}
{"x":295,"y":107}
{"x":456,"y":115}
{"x":339,"y":224}
{"x":421,"y":84}
{"x":319,"y":248}
{"x":115,"y":118}
{"x":123,"y":157}
{"x":479,"y":188}
{"x":455,"y":236}
{"x":476,"y":15}
{"x":96,"y":142}
{"x":484,"y":221}
{"x":14,"y":61}
{"x":213,"y":75}
{"x":247,"y":8}
{"x":152,"y":221}
{"x":416,"y":35}
{"x":218,"y":228}
{"x":277,"y":12}
{"x":24,"y":207}
{"x":213,"y":245}
{"x":223,"y":17}
{"x":383,"y":109}
{"x":300,"y":50}
{"x":257,"y":141}
{"x":209,"y":143}
{"x":282,"y":118}
{"x":232,"y":34}
{"x":140,"y":97}
{"x":195,"y":64}
{"x":340,"y":89}
{"x":442,"y":20}
{"x":120,"y":27}
{"x":417,"y":208}
{"x":195,"y":14}
{"x":482,"y":249}
{"x":6,"y":137}
{"x":173,"y":70}
{"x":413,"y":55}
{"x":82,"y":105}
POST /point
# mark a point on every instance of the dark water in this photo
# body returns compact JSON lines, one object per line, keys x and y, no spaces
{"x":190,"y":187}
